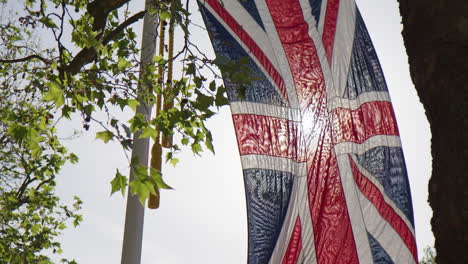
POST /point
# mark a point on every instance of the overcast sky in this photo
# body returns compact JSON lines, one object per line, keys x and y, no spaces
{"x":204,"y":220}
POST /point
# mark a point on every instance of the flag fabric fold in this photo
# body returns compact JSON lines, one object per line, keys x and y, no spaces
{"x":324,"y":172}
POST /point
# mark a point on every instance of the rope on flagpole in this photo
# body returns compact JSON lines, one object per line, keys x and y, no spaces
{"x":156,"y":150}
{"x":169,"y":100}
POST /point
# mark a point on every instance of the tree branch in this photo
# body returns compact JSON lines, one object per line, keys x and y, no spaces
{"x":44,"y":182}
{"x":87,"y":55}
{"x":122,"y":26}
{"x":30,"y":57}
{"x":100,"y":9}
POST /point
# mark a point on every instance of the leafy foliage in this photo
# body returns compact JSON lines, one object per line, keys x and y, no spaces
{"x":429,"y":256}
{"x":31,"y":156}
{"x":90,"y":65}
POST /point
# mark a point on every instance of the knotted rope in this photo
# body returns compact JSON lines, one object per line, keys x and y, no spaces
{"x":166,"y":141}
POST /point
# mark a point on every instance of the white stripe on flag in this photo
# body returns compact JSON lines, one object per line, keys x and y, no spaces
{"x":249,"y":25}
{"x":321,"y":22}
{"x":246,"y":48}
{"x":382,"y":191}
{"x":243,"y":107}
{"x":353,"y":104}
{"x":288,"y":225}
{"x":298,"y":206}
{"x":372,"y":142}
{"x":343,"y":45}
{"x":273,"y":163}
{"x":383,"y":232}
{"x":317,"y":40}
{"x":281,"y":58}
{"x":308,"y":239}
{"x":354,"y":209}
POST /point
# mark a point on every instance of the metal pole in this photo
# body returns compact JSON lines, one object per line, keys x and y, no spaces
{"x":135,"y":213}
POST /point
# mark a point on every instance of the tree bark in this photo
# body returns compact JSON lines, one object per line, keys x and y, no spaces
{"x":436,"y":38}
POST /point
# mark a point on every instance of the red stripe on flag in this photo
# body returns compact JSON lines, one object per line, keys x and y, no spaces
{"x":334,"y":240}
{"x":329,"y":27}
{"x":266,"y":135}
{"x":250,"y":43}
{"x":304,"y":63}
{"x":370,"y":119}
{"x":295,"y":244}
{"x":373,"y":194}
{"x":330,"y":219}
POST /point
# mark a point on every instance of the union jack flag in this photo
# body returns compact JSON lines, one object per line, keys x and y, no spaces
{"x":324,"y":172}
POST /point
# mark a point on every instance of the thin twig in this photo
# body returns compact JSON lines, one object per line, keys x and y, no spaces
{"x":30,"y":57}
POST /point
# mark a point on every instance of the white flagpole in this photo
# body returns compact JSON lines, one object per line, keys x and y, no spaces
{"x":134,"y":217}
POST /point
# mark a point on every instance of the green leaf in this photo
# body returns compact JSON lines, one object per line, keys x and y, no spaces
{"x":220,"y":61}
{"x":196,"y":148}
{"x":168,"y":156}
{"x":199,"y":136}
{"x":54,"y":94}
{"x":212,"y":86}
{"x":78,"y":219}
{"x":66,"y":111}
{"x":73,"y":158}
{"x":158,"y":59}
{"x":165,"y":15}
{"x":150,"y":187}
{"x":149,"y":132}
{"x":133,"y":103}
{"x":35,"y":228}
{"x":185,"y":141}
{"x":220,"y":98}
{"x":203,"y":102}
{"x":48,"y":22}
{"x":198,"y":81}
{"x":104,"y":135}
{"x":88,"y":109}
{"x":114,"y":122}
{"x":137,"y":122}
{"x":36,"y":150}
{"x":12,"y":199}
{"x":190,"y":69}
{"x":139,"y":188}
{"x":157,"y":178}
{"x":174,"y":161}
{"x":128,"y":133}
{"x":18,"y":132}
{"x":119,"y":183}
{"x":141,"y":172}
{"x":123,"y":64}
{"x":209,"y":142}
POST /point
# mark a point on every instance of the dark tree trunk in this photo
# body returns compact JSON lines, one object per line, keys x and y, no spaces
{"x":435,"y":33}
